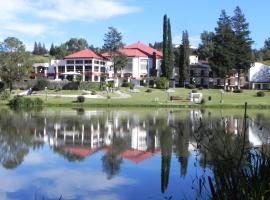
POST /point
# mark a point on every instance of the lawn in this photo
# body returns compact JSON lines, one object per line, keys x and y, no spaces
{"x":161,"y":98}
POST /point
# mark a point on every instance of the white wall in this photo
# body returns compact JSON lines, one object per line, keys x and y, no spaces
{"x":259,"y":73}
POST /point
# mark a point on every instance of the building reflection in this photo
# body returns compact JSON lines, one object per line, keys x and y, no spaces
{"x":124,"y":136}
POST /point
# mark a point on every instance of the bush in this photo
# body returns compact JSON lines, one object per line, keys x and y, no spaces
{"x":2,"y":86}
{"x":21,"y":102}
{"x":4,"y":95}
{"x":201,"y":88}
{"x":203,"y":101}
{"x":41,"y":84}
{"x":209,"y":98}
{"x":126,"y":84}
{"x":80,"y":99}
{"x":238,"y":91}
{"x":148,"y":90}
{"x":162,"y":83}
{"x":260,"y":94}
{"x":93,"y":92}
{"x":190,"y":86}
{"x":71,"y":86}
{"x":194,"y":91}
{"x":131,"y":86}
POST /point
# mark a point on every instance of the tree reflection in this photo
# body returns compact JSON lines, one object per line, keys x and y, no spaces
{"x":15,"y":138}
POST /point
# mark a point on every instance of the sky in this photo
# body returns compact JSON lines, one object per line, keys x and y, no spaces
{"x":56,"y":21}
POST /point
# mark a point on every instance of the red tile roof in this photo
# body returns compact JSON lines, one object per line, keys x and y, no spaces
{"x":137,"y":50}
{"x":137,"y":156}
{"x":144,"y":48}
{"x":86,"y":53}
{"x":84,"y":152}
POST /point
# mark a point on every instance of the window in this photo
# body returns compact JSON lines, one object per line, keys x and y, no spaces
{"x":96,"y":78}
{"x":79,"y":68}
{"x":144,"y":64}
{"x":129,"y":65}
{"x":70,"y":68}
{"x":96,"y":69}
{"x":96,"y":62}
{"x":102,"y":69}
{"x":61,"y":69}
{"x":79,"y":61}
{"x":102,"y":62}
{"x":88,"y":68}
{"x":88,"y":62}
{"x":70,"y":62}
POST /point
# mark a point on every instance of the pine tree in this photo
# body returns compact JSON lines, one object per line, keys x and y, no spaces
{"x":44,"y":50}
{"x":184,"y":63}
{"x":205,"y":49}
{"x":242,"y":51}
{"x":35,"y":51}
{"x":39,"y":49}
{"x":113,"y":40}
{"x":222,"y":61}
{"x":52,"y":50}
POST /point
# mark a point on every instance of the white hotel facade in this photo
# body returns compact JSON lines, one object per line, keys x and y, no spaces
{"x":143,"y":61}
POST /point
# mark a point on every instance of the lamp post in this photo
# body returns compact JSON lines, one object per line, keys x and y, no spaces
{"x":46,"y":93}
{"x":221,"y":96}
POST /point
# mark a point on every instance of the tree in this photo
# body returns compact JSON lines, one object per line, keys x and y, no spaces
{"x":222,"y":60}
{"x":206,"y":48}
{"x":14,"y":61}
{"x":170,"y":52}
{"x":35,"y":51}
{"x":112,"y":43}
{"x":52,"y":51}
{"x":184,"y":53}
{"x":242,"y":43}
{"x":74,"y":45}
{"x":113,"y":40}
{"x":120,"y":61}
{"x":44,"y":50}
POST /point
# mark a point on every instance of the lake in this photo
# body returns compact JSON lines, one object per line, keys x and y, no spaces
{"x":120,"y":153}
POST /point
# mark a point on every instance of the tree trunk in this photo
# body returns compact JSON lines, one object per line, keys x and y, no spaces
{"x":238,"y":85}
{"x":10,"y":87}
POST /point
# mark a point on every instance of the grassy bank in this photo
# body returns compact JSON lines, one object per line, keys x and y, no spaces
{"x":160,"y":98}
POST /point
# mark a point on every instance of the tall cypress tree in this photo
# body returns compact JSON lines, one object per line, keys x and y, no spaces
{"x":168,"y":62}
{"x":52,"y":50}
{"x":222,"y":61}
{"x":184,"y":63}
{"x":170,"y":52}
{"x":165,"y":46}
{"x":242,"y":41}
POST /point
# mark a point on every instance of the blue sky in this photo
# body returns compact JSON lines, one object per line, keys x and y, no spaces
{"x":56,"y":21}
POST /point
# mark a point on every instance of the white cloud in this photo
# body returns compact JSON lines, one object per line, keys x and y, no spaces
{"x":86,"y":10}
{"x":193,"y":40}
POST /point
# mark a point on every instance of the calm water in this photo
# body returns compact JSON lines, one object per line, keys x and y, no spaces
{"x":118,"y":154}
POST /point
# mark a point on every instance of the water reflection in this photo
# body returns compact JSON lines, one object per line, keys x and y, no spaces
{"x":120,"y":138}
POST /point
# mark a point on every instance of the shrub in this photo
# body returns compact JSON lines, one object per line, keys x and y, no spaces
{"x":238,"y":91}
{"x":190,"y":86}
{"x":203,"y":101}
{"x":80,"y":99}
{"x":194,"y":91}
{"x":209,"y":98}
{"x":131,"y":86}
{"x":93,"y":92}
{"x":201,"y":88}
{"x":91,"y":86}
{"x":125,"y":84}
{"x":41,"y":84}
{"x":148,"y":90}
{"x":162,"y":83}
{"x":4,"y":95}
{"x":21,"y":102}
{"x":260,"y":94}
{"x":71,"y":86}
{"x":2,"y":86}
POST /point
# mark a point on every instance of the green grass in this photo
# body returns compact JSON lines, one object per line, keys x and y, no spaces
{"x":144,"y":99}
